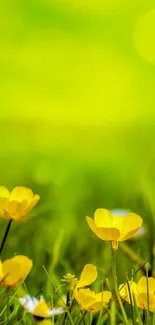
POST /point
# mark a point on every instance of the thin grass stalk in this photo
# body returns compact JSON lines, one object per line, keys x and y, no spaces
{"x":148,"y":300}
{"x":5,"y":236}
{"x":113,"y":313}
{"x":49,"y":278}
{"x":82,"y":318}
{"x":131,"y":301}
{"x":68,"y":307}
{"x":114,"y":275}
{"x":101,"y":310}
{"x":137,"y":312}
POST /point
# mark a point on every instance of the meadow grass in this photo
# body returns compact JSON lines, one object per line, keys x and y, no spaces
{"x":57,"y":238}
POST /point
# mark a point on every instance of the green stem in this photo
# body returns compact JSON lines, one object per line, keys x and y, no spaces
{"x":82,"y":317}
{"x":148,"y":298}
{"x":5,"y":236}
{"x":131,"y":301}
{"x":114,"y":275}
{"x":67,"y":305}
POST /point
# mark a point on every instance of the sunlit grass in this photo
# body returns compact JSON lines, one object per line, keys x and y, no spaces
{"x":77,"y":126}
{"x":50,"y":265}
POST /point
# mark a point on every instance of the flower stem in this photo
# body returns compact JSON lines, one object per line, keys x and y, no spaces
{"x":131,"y":301}
{"x":82,"y":317}
{"x":67,"y":305}
{"x":5,"y":236}
{"x":114,"y":275}
{"x":148,"y":298}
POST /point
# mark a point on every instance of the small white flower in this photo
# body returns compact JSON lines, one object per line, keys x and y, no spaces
{"x":39,"y":307}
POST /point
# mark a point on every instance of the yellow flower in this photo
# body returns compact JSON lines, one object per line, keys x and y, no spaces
{"x":114,"y":228}
{"x":91,"y":301}
{"x":17,"y":203}
{"x":39,"y":308}
{"x":143,"y":298}
{"x":125,"y":294}
{"x":87,"y":299}
{"x":14,"y":270}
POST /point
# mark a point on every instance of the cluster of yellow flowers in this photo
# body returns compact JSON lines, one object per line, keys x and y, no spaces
{"x":116,"y":228}
{"x":16,"y":204}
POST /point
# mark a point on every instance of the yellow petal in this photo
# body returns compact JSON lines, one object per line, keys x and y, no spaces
{"x":15,"y":270}
{"x":1,"y":271}
{"x":33,"y":203}
{"x":142,"y":301}
{"x":4,"y":192}
{"x":127,"y":235}
{"x":104,"y":297}
{"x":21,"y":193}
{"x":85,"y":298}
{"x":92,"y":302}
{"x":15,"y":210}
{"x":130,"y":224}
{"x":88,"y":276}
{"x":4,"y":197}
{"x":3,"y":206}
{"x":91,"y":224}
{"x":94,"y":308}
{"x":124,"y":291}
{"x":103,"y":218}
{"x":117,"y":222}
{"x":108,"y":234}
{"x":41,"y":309}
{"x":142,"y":285}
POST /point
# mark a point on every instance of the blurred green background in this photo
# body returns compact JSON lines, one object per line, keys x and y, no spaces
{"x":77,"y":121}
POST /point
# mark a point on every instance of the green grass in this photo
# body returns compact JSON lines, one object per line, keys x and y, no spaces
{"x":77,"y":126}
{"x":56,"y":237}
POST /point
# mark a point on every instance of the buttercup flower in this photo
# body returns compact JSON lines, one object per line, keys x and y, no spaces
{"x":91,"y":301}
{"x":114,"y":227}
{"x":14,"y":270}
{"x":144,"y":299}
{"x":17,"y":203}
{"x":87,"y":299}
{"x":140,"y":232}
{"x":125,"y":294}
{"x":39,"y":308}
